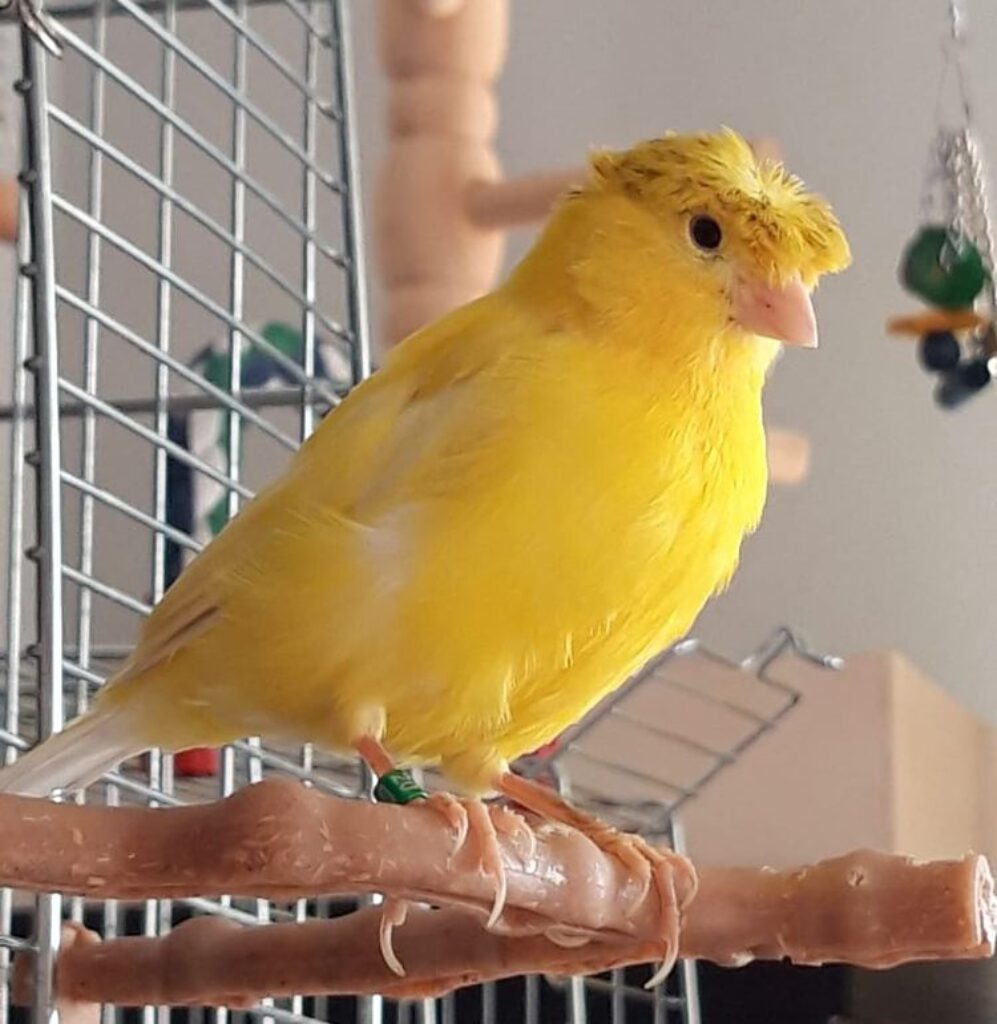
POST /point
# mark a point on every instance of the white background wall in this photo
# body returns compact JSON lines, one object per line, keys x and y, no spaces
{"x":891,"y":543}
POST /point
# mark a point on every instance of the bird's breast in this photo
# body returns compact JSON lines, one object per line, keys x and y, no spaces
{"x":595,"y":542}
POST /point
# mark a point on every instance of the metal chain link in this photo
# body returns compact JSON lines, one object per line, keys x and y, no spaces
{"x":956,"y":182}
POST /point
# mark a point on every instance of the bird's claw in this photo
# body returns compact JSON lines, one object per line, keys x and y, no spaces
{"x":455,"y":815}
{"x":490,"y":855}
{"x":471,"y":819}
{"x":393,"y":914}
{"x":664,"y":969}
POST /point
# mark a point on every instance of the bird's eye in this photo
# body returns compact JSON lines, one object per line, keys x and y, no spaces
{"x":705,"y":233}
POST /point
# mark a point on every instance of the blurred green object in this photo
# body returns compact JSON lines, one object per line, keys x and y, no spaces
{"x":943,"y":269}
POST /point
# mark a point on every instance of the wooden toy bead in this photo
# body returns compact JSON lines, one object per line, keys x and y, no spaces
{"x":440,"y":8}
{"x":429,"y":105}
{"x":471,"y":42}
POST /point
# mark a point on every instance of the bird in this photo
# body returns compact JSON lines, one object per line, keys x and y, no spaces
{"x":529,"y":499}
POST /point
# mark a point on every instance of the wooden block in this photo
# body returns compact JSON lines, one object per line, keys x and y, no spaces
{"x":876,"y":755}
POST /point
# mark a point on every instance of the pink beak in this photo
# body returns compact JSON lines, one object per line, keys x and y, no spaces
{"x":785,"y":314}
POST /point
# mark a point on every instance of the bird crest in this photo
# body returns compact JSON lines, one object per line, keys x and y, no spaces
{"x":787,"y":229}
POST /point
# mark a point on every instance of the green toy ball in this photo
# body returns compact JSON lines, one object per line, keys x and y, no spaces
{"x":943,"y":269}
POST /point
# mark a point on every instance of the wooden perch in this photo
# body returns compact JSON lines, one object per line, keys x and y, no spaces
{"x":280,"y":840}
{"x":571,"y":908}
{"x":810,"y":916}
{"x":872,"y":910}
{"x":918,"y":324}
{"x":210,"y":961}
{"x":71,"y":1011}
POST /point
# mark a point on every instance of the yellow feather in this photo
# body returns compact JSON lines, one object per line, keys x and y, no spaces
{"x":531,"y":497}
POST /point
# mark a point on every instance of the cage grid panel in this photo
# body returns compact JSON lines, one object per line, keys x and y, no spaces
{"x":122,"y":288}
{"x":657,"y":742}
{"x":192,"y":175}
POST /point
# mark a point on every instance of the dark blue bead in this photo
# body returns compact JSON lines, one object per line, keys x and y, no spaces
{"x":938,"y":351}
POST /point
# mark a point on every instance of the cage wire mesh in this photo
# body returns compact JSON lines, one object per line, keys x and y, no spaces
{"x":191,"y":302}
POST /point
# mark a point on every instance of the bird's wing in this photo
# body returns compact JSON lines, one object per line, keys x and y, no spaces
{"x":412,"y":411}
{"x":195,"y":601}
{"x":355,"y":462}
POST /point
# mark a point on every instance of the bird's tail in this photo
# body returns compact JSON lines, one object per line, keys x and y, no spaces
{"x":72,"y":759}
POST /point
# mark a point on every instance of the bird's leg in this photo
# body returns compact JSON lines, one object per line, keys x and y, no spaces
{"x":394,"y":910}
{"x":635,"y":853}
{"x":649,"y":865}
{"x":464,"y":818}
{"x":380,"y":763}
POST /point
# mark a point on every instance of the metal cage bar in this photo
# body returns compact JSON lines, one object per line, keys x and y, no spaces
{"x":48,"y":550}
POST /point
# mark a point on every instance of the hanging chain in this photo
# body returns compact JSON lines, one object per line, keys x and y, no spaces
{"x":972,"y":209}
{"x":956,"y":181}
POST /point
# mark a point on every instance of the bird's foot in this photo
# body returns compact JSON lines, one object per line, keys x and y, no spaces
{"x":508,"y":823}
{"x":395,"y":910}
{"x":471,"y":821}
{"x":667,"y":872}
{"x":634,"y":853}
{"x":650,"y":867}
{"x":393,"y":914}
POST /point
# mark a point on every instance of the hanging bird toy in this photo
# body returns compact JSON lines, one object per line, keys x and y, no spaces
{"x":949,"y":264}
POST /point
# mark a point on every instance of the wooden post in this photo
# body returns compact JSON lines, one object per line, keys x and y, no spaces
{"x":442,"y":60}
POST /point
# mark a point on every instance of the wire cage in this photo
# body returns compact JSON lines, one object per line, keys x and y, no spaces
{"x":191,"y":301}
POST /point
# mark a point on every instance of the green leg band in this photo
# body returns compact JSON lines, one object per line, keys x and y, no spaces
{"x":398,"y":787}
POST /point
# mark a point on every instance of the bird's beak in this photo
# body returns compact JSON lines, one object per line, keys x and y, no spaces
{"x":784,"y":313}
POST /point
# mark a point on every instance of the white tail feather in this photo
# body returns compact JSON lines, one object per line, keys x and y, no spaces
{"x":72,"y":759}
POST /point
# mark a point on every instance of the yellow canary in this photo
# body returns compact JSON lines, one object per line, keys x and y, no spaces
{"x":532,"y":497}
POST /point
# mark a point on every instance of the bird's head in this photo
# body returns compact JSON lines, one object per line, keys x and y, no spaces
{"x":701,"y":222}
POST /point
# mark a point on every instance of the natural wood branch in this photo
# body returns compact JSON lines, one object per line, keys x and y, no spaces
{"x":71,"y":1011}
{"x":278,"y":839}
{"x":868,"y":909}
{"x":211,"y":961}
